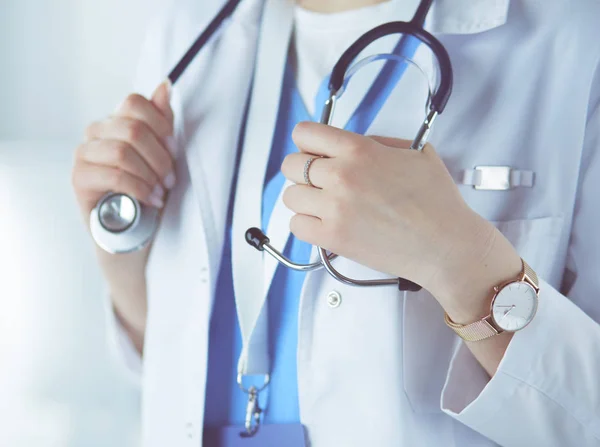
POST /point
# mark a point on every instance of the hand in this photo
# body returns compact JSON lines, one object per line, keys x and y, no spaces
{"x":127,"y":153}
{"x":378,"y":203}
{"x":398,"y":211}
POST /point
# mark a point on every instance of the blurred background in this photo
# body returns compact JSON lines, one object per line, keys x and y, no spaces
{"x":64,"y":64}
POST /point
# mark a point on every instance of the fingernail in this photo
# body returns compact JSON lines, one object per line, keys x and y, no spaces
{"x":168,"y":85}
{"x":170,"y":180}
{"x":158,"y":191}
{"x":156,"y":202}
{"x":156,"y":197}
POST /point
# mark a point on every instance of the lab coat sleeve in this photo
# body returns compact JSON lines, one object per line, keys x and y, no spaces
{"x":546,"y":391}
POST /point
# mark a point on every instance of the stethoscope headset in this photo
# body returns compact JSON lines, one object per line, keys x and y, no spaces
{"x":120,"y":223}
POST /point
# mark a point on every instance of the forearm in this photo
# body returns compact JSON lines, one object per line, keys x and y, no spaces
{"x":125,"y":275}
{"x":466,"y":290}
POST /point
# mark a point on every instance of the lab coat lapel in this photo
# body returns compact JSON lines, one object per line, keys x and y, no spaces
{"x":467,"y":16}
{"x":278,"y":232}
{"x":216,"y":88}
{"x":248,"y":267}
{"x":184,"y":260}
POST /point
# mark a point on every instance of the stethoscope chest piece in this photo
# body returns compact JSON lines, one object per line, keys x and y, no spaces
{"x":121,"y":224}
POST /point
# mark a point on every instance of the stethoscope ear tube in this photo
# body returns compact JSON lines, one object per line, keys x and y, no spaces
{"x":403,"y":285}
{"x":257,"y":239}
{"x":442,"y":94}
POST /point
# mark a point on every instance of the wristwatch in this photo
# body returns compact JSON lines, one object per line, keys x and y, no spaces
{"x":513,"y":307}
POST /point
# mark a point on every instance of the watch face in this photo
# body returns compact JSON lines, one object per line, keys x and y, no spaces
{"x":514,"y":306}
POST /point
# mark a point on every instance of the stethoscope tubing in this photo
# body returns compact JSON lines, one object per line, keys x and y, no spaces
{"x":437,"y":106}
{"x":254,"y":236}
{"x":226,"y":11}
{"x":442,"y":94}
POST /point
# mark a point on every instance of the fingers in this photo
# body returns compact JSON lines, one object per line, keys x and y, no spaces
{"x":92,"y":181}
{"x":140,"y":136}
{"x":127,"y":153}
{"x":120,"y":155}
{"x":306,"y":228}
{"x":294,"y":164}
{"x":392,"y":142}
{"x":302,"y":199}
{"x":397,"y":143}
{"x":136,"y":107}
{"x":331,"y":142}
{"x":161,"y":100}
{"x":328,"y":141}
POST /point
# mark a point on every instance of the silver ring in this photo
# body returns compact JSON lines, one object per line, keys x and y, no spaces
{"x":306,"y":169}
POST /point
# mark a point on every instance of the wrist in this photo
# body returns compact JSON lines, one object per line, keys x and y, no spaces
{"x":465,"y":285}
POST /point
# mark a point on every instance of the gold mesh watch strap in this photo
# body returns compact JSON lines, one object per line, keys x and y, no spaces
{"x":530,"y":276}
{"x":480,"y":330}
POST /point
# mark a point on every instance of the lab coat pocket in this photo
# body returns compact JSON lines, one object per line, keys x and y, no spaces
{"x":538,"y":243}
{"x":428,"y":344}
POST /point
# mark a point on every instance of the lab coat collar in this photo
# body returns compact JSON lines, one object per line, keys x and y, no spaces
{"x":272,"y":52}
{"x":199,"y":109}
{"x":467,"y":16}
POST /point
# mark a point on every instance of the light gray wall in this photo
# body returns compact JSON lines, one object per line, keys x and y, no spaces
{"x":63,"y":63}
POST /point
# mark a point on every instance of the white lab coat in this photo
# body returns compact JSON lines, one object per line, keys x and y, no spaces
{"x":382,"y":369}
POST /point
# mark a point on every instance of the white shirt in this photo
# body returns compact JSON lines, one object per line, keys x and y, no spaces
{"x":382,"y":368}
{"x":320,"y":39}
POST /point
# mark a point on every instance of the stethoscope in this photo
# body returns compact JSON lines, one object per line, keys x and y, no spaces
{"x":121,"y":224}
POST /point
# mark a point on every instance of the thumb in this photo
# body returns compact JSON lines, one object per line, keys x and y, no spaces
{"x":161,"y":99}
{"x":392,"y":142}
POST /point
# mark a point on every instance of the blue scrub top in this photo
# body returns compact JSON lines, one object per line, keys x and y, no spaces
{"x":225,"y":403}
